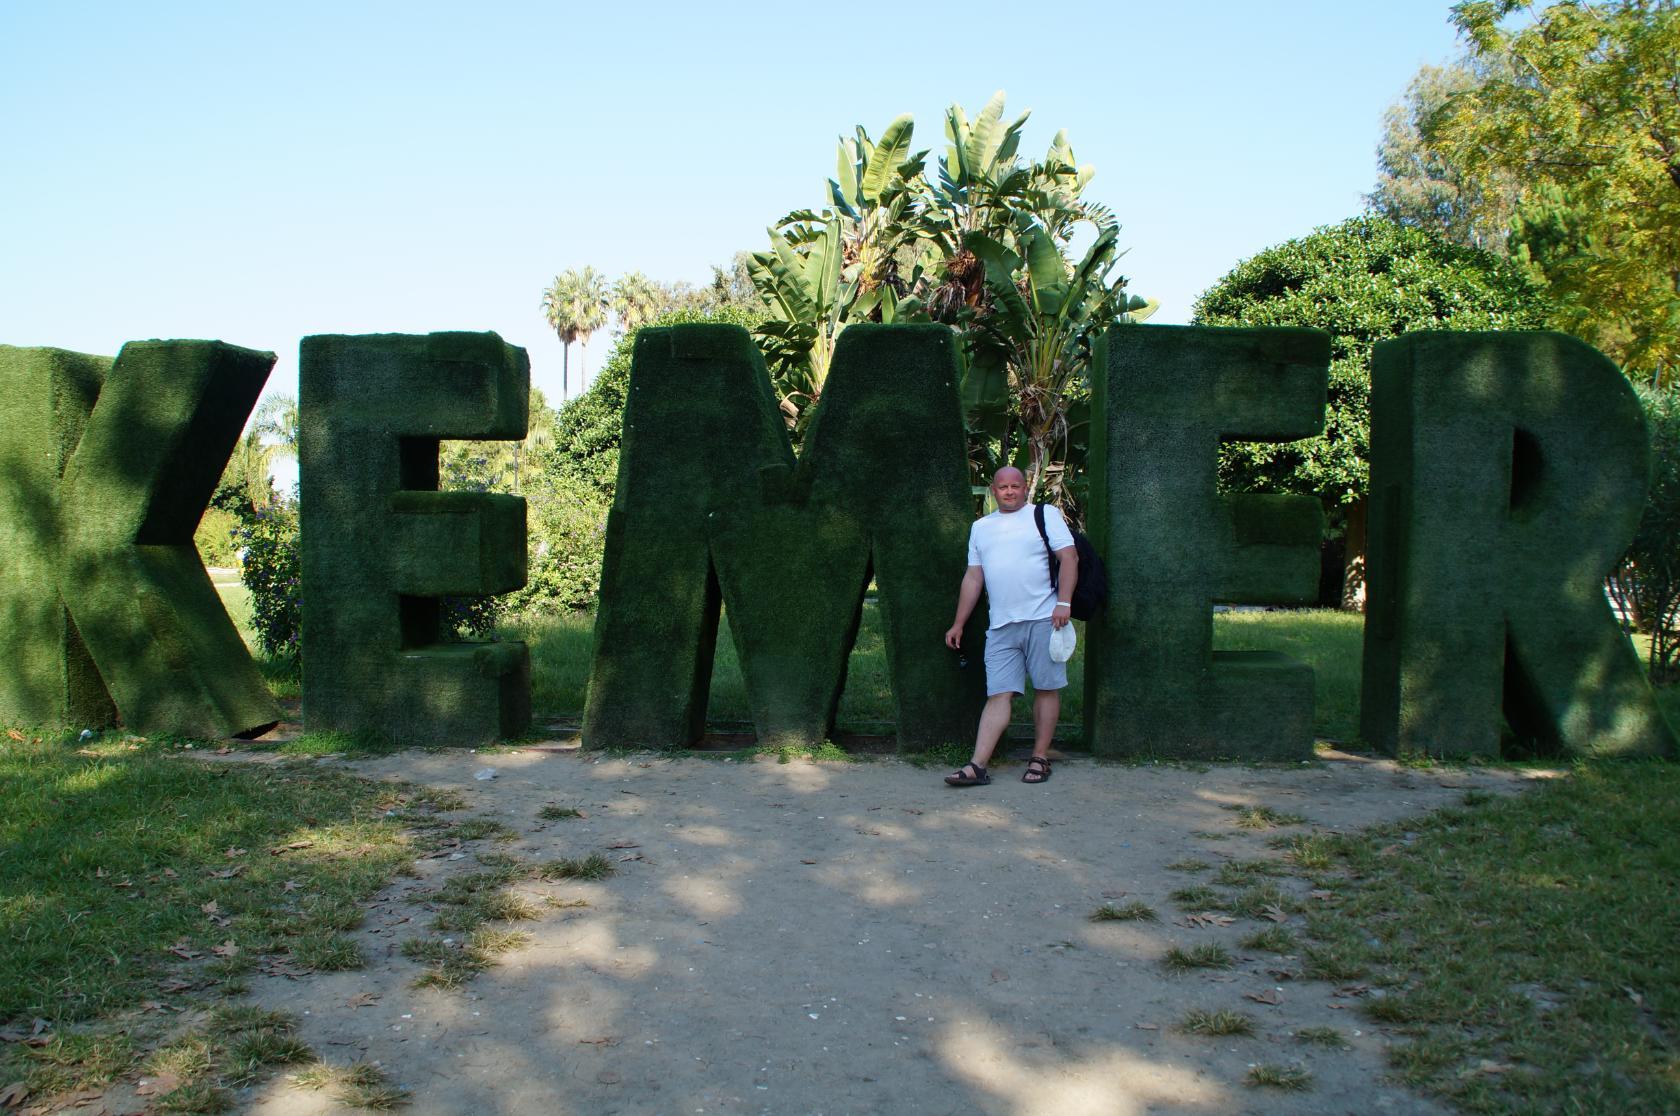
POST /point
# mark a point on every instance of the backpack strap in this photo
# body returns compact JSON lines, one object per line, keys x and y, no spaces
{"x":1049,"y":555}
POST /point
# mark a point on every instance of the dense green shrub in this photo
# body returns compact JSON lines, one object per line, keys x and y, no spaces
{"x":214,"y":537}
{"x":1647,"y":582}
{"x":268,"y":545}
{"x":567,"y":537}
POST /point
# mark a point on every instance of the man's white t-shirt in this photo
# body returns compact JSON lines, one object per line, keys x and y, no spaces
{"x":1007,"y":548}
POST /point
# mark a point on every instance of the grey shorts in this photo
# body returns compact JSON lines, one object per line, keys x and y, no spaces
{"x":1015,"y":651}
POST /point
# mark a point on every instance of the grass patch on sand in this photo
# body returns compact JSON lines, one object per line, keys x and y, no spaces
{"x":358,"y":1085}
{"x":595,"y":866}
{"x":1135,"y":911}
{"x":1289,"y":1079}
{"x":1263,"y":817}
{"x":1526,"y":943}
{"x":1208,"y":955}
{"x":1216,"y":1024}
{"x":179,"y":1071}
{"x":132,"y":875}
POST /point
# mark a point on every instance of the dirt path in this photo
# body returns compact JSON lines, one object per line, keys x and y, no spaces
{"x":856,"y":938}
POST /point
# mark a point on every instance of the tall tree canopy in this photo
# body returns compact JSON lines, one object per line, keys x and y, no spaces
{"x":1579,"y":103}
{"x":1418,"y":186}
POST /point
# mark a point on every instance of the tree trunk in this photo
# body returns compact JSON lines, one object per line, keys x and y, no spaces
{"x":565,"y":360}
{"x":1353,"y":584}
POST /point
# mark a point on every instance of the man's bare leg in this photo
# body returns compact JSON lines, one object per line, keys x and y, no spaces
{"x":994,"y":719}
{"x":1047,"y":707}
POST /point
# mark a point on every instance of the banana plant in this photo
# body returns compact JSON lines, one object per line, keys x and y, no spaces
{"x":1044,"y":318}
{"x":825,"y":269}
{"x":799,"y":280}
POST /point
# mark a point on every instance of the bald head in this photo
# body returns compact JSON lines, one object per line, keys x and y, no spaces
{"x":1009,"y":488}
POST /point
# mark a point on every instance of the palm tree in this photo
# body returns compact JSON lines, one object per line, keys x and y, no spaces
{"x":557,"y":308}
{"x":636,"y":299}
{"x":575,"y":305}
{"x":591,"y":302}
{"x":271,"y":433}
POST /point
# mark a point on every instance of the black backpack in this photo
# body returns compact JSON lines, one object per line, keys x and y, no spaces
{"x":1090,"y":592}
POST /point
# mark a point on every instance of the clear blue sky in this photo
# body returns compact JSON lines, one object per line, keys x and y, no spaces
{"x":259,"y":172}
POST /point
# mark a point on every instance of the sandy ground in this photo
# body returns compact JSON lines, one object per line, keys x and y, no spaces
{"x":855,"y":938}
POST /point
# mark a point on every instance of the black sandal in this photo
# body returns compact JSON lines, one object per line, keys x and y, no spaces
{"x":958,"y":778}
{"x":1038,"y":770}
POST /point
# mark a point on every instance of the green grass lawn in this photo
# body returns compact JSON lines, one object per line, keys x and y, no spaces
{"x":1329,"y":641}
{"x":132,"y":876}
{"x":1524,"y":945}
{"x":560,"y":650}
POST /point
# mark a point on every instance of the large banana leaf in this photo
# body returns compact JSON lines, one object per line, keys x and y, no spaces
{"x":983,"y":138}
{"x":1001,"y":265}
{"x":883,"y":161}
{"x":1046,"y":274}
{"x":844,"y":187}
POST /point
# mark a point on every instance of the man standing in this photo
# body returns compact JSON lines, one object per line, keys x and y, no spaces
{"x":1006,"y":558}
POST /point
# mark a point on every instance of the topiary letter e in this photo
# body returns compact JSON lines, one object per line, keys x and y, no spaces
{"x":1153,"y":683}
{"x":1508,"y":471}
{"x":381,"y":544}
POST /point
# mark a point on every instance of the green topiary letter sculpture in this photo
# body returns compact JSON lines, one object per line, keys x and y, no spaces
{"x":108,"y":468}
{"x":1508,"y":472}
{"x":1153,"y":683}
{"x":711,"y":508}
{"x":381,"y":544}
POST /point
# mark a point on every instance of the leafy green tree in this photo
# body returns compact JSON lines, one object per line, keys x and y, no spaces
{"x":1579,"y":103}
{"x":731,"y":287}
{"x":270,"y":569}
{"x":1363,"y":281}
{"x":1418,"y":185}
{"x":1044,"y":319}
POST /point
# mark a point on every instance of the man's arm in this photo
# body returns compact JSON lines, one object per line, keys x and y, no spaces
{"x":1067,"y":577}
{"x":967,"y":597}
